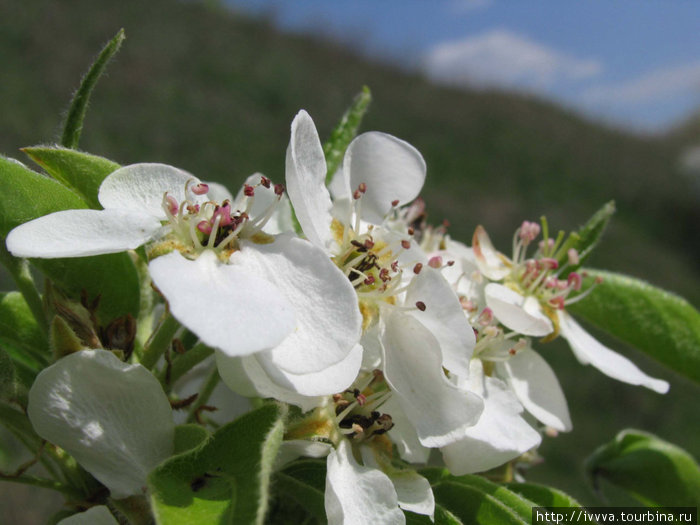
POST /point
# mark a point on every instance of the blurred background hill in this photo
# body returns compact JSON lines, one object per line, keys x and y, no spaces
{"x":206,"y":89}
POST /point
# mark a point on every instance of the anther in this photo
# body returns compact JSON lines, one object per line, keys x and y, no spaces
{"x":395,"y":203}
{"x":369,"y":244}
{"x":572,"y":254}
{"x":204,"y":227}
{"x":279,"y":189}
{"x":369,"y":280}
{"x":421,"y":306}
{"x":574,"y":280}
{"x":362,"y":188}
{"x":265,"y":181}
{"x":200,"y":189}
{"x":417,"y":268}
{"x":405,"y":244}
{"x":172,"y":204}
{"x":395,"y":266}
{"x":248,"y":190}
{"x":435,"y":262}
{"x":411,"y":230}
{"x":450,"y":263}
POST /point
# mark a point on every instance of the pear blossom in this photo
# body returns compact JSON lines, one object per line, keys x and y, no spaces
{"x":359,"y":230}
{"x":531,"y":300}
{"x":241,"y":289}
{"x":112,"y":417}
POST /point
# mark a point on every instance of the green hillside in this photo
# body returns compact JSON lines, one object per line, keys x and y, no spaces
{"x":212,"y":92}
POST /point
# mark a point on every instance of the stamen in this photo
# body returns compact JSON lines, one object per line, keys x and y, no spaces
{"x":421,"y":306}
{"x":265,"y":181}
{"x":417,"y":268}
{"x":279,"y":189}
{"x":248,"y":190}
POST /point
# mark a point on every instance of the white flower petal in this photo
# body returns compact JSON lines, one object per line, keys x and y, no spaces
{"x":306,"y":181}
{"x":266,"y":202}
{"x":519,"y":313}
{"x":357,"y":495}
{"x":141,"y":187}
{"x":414,"y":493}
{"x":99,"y":515}
{"x":439,"y":411}
{"x":113,"y":418}
{"x":330,"y":380}
{"x":500,"y":435}
{"x":612,"y":364}
{"x":412,"y":490}
{"x":79,"y":233}
{"x":537,"y":388}
{"x":246,"y":376}
{"x":295,"y":448}
{"x":219,"y":193}
{"x":328,"y":320}
{"x":404,"y":435}
{"x":227,"y":306}
{"x":491,"y":262}
{"x":445,"y":319}
{"x":391,"y":168}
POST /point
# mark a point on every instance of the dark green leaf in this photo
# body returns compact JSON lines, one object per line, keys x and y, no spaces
{"x":76,"y":114}
{"x":79,"y":171}
{"x":27,"y":195}
{"x":19,"y":328}
{"x":188,"y":437}
{"x":542,"y":495}
{"x":442,"y":517}
{"x":660,"y":323}
{"x":113,"y":277}
{"x":223,"y":480}
{"x":345,"y":131}
{"x":8,"y":378}
{"x":587,"y":237}
{"x":473,"y":499}
{"x":304,"y":481}
{"x":654,"y":471}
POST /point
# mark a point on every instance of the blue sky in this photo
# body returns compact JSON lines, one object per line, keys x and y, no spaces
{"x":633,"y":63}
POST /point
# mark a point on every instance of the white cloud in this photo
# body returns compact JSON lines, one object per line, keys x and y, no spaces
{"x":654,"y":86}
{"x":505,"y":59}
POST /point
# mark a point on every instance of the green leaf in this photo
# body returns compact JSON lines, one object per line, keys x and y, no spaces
{"x":113,"y":277}
{"x":473,"y":499}
{"x":345,"y":131}
{"x":76,"y":114}
{"x":587,"y":237}
{"x":80,"y":171}
{"x":542,"y":495}
{"x":442,"y":517}
{"x":27,"y":195}
{"x":189,"y":437}
{"x":304,"y":481}
{"x":19,"y":329}
{"x":223,"y":480}
{"x":8,"y":377}
{"x":654,"y":471}
{"x":660,"y":323}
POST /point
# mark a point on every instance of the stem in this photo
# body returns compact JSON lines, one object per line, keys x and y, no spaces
{"x":159,"y":341}
{"x":204,"y":394}
{"x":44,"y":483}
{"x":19,"y":269}
{"x":185,"y":362}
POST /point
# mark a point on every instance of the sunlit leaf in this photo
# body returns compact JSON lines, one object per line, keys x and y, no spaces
{"x":27,"y":195}
{"x":345,"y":131}
{"x":225,"y":479}
{"x":79,"y":171}
{"x":76,"y":114}
{"x":660,"y":323}
{"x":654,"y":471}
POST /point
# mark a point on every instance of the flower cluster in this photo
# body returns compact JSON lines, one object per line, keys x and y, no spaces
{"x":389,"y":336}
